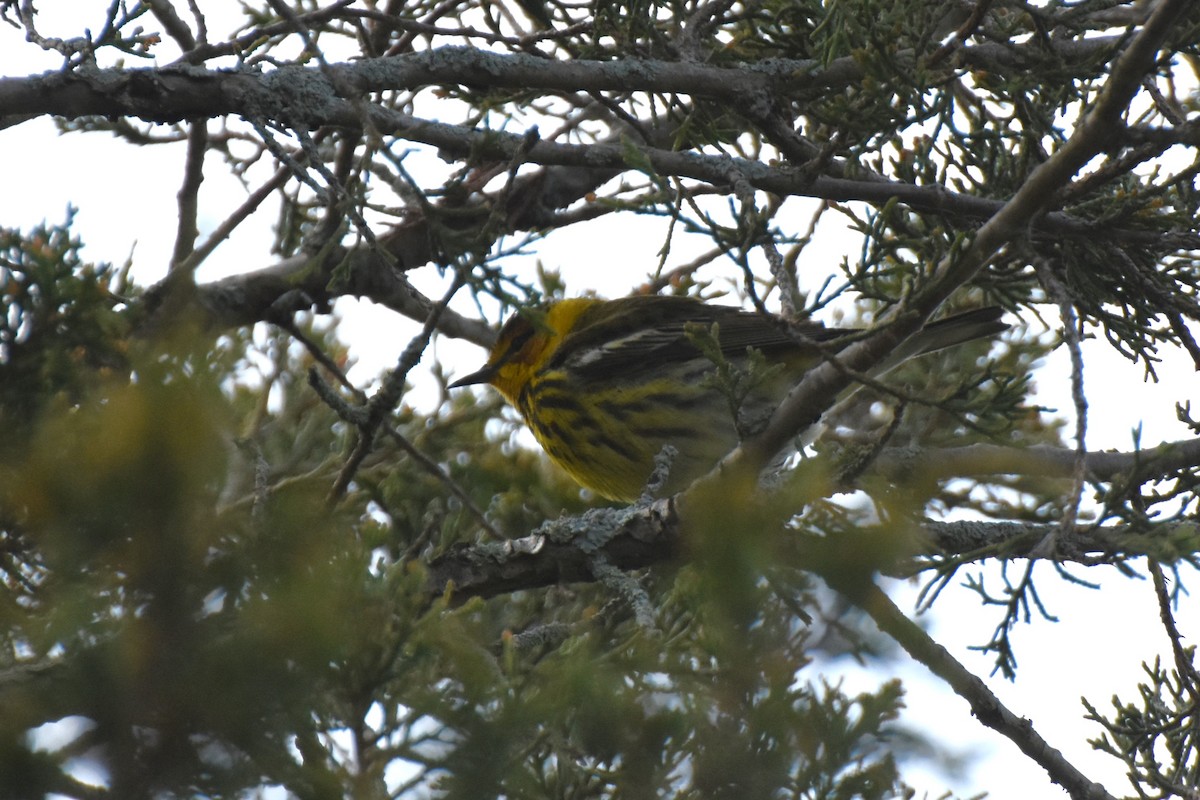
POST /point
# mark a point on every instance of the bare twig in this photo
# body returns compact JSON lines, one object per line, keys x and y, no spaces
{"x":189,"y":194}
{"x":1058,"y":293}
{"x":173,"y":23}
{"x":389,"y":393}
{"x":985,"y":706}
{"x":197,"y":256}
{"x":424,"y":461}
{"x":1183,"y":661}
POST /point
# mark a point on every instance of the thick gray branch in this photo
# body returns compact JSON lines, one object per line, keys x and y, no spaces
{"x":563,"y":551}
{"x":652,"y":535}
{"x":641,"y":537}
{"x":186,"y":92}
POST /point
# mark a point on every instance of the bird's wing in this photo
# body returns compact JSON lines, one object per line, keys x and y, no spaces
{"x":605,"y":346}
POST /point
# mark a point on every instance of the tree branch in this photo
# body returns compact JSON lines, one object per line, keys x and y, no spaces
{"x":561,"y":551}
{"x":985,"y":706}
{"x":642,"y":536}
{"x":651,"y":535}
{"x":304,"y":95}
{"x":180,"y":92}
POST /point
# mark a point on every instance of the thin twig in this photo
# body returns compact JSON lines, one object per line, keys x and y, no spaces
{"x":424,"y":461}
{"x":178,"y":30}
{"x":240,"y":215}
{"x":189,"y":194}
{"x":435,"y":469}
{"x":389,"y":393}
{"x":1066,"y":309}
{"x":1183,"y":662}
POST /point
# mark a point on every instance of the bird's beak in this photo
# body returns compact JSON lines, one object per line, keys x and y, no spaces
{"x":484,"y":375}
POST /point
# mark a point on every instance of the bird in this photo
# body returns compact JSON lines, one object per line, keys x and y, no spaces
{"x":604,"y":385}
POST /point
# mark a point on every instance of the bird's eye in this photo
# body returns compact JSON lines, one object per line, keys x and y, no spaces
{"x":516,"y":334}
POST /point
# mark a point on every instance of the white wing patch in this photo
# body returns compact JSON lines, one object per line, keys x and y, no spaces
{"x":642,"y":341}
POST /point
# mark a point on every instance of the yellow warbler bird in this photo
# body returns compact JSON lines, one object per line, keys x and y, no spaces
{"x":605,"y":384}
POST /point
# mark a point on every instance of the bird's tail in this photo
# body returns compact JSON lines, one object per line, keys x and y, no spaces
{"x":954,"y":330}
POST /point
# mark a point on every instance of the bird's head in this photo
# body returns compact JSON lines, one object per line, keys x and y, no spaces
{"x":526,"y":342}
